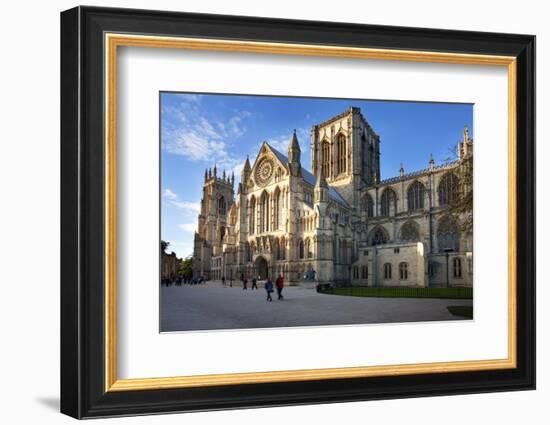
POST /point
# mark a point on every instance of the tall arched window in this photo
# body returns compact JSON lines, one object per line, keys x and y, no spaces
{"x":309,"y":250}
{"x":252,"y":216}
{"x":325,"y":158}
{"x":448,"y":189}
{"x":387,"y":271}
{"x":410,"y":232}
{"x":277,"y":210}
{"x":387,"y":201}
{"x":221,"y":205}
{"x":457,"y":267}
{"x":368,"y":205}
{"x":403,"y":271}
{"x":364,"y":272}
{"x":415,"y":196}
{"x":341,"y":150}
{"x":447,"y":234}
{"x":378,"y":236}
{"x":301,"y":249}
{"x":264,"y":214}
{"x":356,"y":272}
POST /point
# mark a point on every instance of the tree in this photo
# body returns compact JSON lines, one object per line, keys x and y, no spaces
{"x":186,"y":266}
{"x":461,"y":206}
{"x":164,"y":245}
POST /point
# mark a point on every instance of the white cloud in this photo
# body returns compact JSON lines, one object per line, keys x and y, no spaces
{"x":173,"y":199}
{"x":188,"y":227}
{"x":188,"y":130}
{"x":194,"y":206}
{"x":168,"y":194}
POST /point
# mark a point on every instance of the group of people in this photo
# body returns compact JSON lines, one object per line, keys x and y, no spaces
{"x":279,"y":284}
{"x":268,"y":285}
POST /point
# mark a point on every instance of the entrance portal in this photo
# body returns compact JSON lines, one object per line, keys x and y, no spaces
{"x":261,"y":268}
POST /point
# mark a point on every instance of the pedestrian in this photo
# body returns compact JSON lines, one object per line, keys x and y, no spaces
{"x":280,"y":283}
{"x":269,"y":289}
{"x":223,"y":280}
{"x":254,"y":283}
{"x":245,"y":281}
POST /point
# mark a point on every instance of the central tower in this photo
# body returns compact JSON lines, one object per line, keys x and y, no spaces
{"x":346,"y":151}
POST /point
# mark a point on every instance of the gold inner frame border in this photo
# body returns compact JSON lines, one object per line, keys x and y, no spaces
{"x":113,"y":40}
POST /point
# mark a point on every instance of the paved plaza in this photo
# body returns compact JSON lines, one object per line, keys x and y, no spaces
{"x":212,"y":306}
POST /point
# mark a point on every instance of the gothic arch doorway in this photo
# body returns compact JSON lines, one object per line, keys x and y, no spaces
{"x":260,"y":266}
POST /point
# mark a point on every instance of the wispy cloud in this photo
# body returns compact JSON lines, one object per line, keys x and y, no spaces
{"x":173,"y":199}
{"x":188,"y":130}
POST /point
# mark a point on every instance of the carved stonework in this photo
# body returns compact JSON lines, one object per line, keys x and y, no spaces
{"x":264,"y":171}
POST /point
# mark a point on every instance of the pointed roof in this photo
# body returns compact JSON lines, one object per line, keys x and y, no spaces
{"x":247,"y":164}
{"x":294,"y":145}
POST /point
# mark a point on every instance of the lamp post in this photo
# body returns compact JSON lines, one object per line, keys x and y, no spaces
{"x":447,"y":250}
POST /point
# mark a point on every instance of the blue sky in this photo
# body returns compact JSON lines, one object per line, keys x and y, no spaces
{"x":200,"y":130}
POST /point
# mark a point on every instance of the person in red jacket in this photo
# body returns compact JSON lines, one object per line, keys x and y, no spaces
{"x":280,"y":283}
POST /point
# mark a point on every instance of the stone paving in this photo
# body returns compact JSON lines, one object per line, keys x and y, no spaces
{"x":211,"y":306}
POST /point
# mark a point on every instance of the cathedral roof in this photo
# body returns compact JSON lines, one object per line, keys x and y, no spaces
{"x":418,"y":173}
{"x":310,"y":178}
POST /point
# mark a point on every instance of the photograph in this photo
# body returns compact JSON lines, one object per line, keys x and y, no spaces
{"x":281,"y":211}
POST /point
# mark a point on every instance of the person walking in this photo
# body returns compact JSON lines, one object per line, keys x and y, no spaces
{"x":223,"y":280}
{"x":254,"y":283}
{"x":245,"y":281}
{"x":280,"y":283}
{"x":269,"y":289}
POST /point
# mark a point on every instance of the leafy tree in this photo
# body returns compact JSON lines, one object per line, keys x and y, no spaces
{"x":461,"y":206}
{"x":164,"y":245}
{"x":186,"y":267}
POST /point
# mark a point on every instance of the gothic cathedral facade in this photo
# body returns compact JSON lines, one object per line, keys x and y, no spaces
{"x":338,"y":224}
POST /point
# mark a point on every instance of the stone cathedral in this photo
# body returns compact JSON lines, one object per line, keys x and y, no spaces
{"x":338,"y":223}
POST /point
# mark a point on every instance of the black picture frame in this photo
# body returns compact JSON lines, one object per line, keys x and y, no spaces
{"x":83,"y":392}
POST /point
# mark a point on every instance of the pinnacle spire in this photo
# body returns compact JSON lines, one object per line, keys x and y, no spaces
{"x":247,"y":164}
{"x":294,"y":145}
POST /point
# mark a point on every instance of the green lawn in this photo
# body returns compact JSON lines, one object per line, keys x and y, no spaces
{"x":400,"y":292}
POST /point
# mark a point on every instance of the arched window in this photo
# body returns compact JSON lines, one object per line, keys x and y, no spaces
{"x":252,"y":216}
{"x":222,"y":233}
{"x":415,"y":196}
{"x":309,"y":252}
{"x":325,"y":159}
{"x":356,"y":272}
{"x":457,"y":267}
{"x":368,"y":205}
{"x":364,"y":272}
{"x":277,"y":210}
{"x":403,"y":271}
{"x":301,"y":249}
{"x":448,"y":189}
{"x":410,"y":232}
{"x":341,"y":149}
{"x":447,"y":234}
{"x":221,"y":206}
{"x":387,"y":201}
{"x":378,"y":236}
{"x":264,"y":213}
{"x":387,"y":271}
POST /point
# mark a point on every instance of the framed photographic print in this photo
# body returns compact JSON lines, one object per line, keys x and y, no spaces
{"x":261,"y":212}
